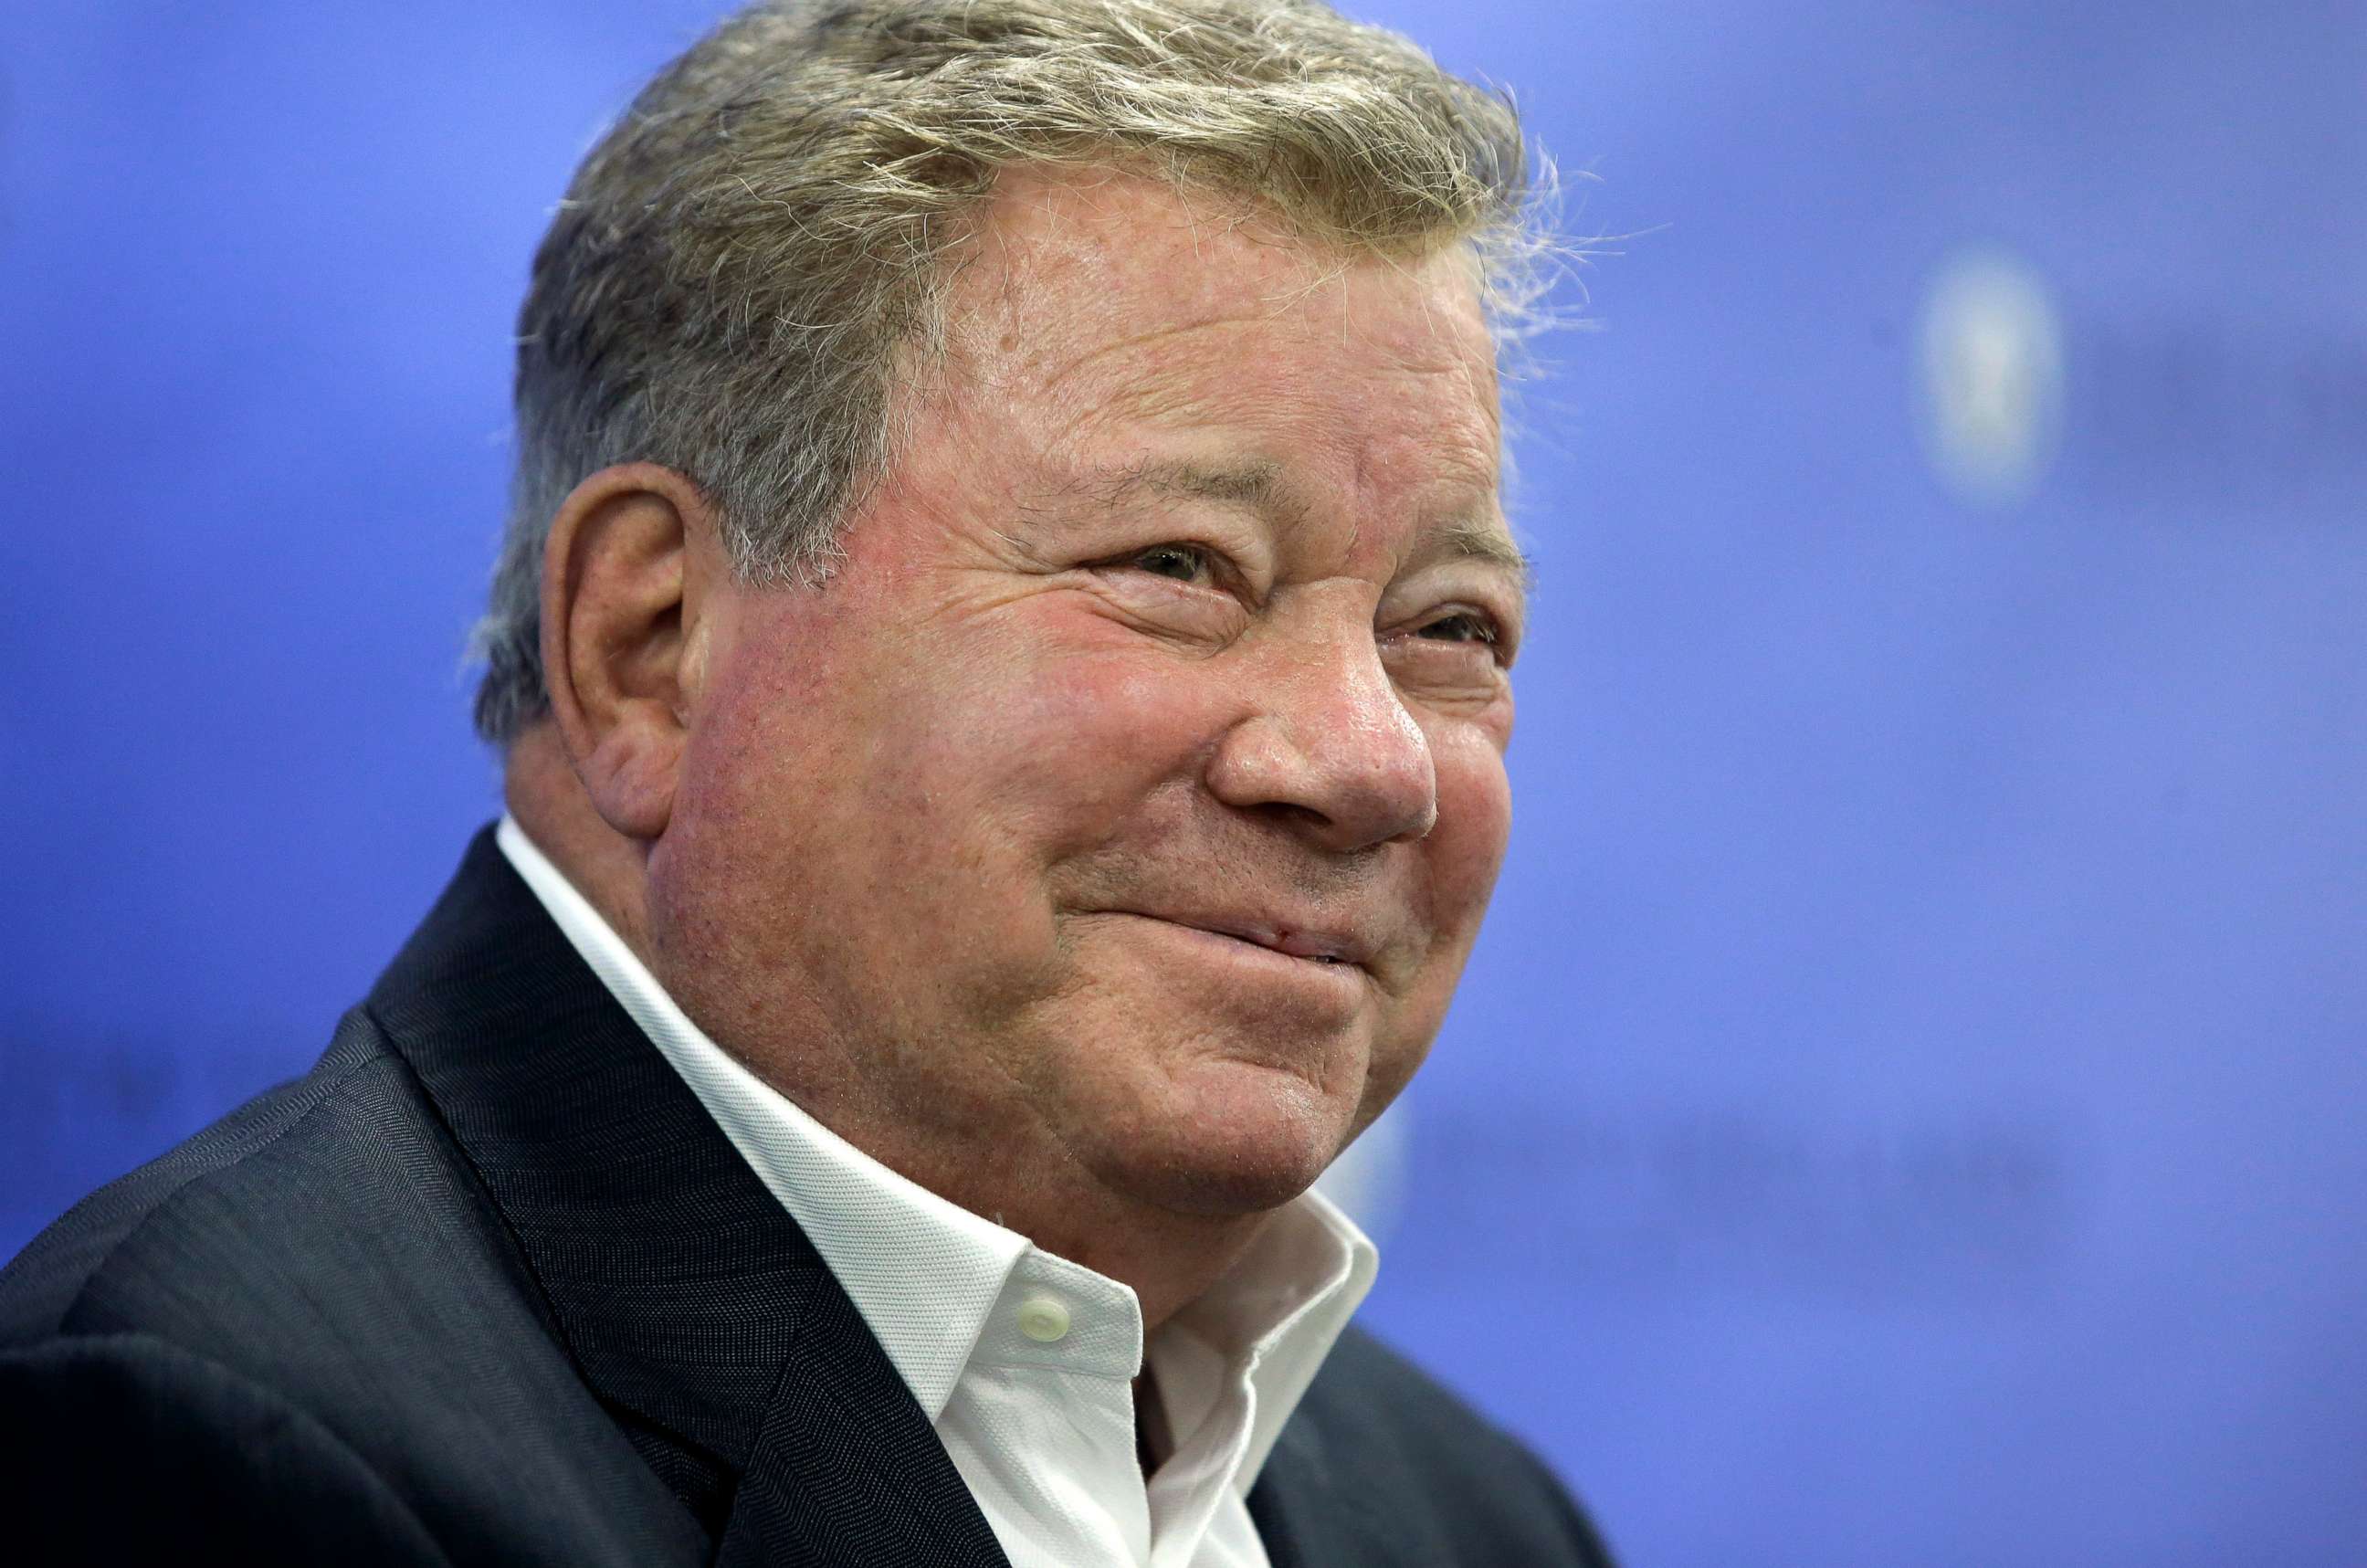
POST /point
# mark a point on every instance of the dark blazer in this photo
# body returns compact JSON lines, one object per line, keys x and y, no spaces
{"x":488,"y":1285}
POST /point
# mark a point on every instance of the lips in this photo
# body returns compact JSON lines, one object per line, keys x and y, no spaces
{"x":1312,"y":941}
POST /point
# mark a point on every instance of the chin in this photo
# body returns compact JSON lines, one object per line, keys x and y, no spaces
{"x":1240,"y":1139}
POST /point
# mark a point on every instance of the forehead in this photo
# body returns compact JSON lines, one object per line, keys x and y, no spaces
{"x":1090,"y":304}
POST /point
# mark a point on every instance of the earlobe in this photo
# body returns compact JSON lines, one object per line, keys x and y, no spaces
{"x":614,"y":610}
{"x":631,"y":776}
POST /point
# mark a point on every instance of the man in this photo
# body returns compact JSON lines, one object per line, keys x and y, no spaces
{"x":1002,"y":655}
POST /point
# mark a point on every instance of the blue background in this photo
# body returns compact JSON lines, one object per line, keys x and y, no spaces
{"x":1907,"y":1104}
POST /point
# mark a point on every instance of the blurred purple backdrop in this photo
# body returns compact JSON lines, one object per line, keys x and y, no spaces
{"x":1909,"y":1102}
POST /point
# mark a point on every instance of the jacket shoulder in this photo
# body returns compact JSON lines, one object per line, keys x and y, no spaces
{"x":205,"y":1203}
{"x":124,"y":1446}
{"x":315,"y":1301}
{"x":1377,"y":1427}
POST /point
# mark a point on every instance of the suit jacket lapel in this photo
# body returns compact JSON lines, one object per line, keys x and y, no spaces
{"x":1304,"y":1519}
{"x":691,"y":1302}
{"x":1291,"y":1499}
{"x":830,"y":1482}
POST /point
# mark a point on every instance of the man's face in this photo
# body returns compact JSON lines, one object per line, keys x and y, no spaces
{"x":1125,"y":804}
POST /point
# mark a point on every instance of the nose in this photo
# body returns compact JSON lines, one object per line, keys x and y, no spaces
{"x":1327,"y":743}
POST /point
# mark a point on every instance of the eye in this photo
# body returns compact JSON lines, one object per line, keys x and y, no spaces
{"x":1179,"y":562}
{"x":1464,"y":626}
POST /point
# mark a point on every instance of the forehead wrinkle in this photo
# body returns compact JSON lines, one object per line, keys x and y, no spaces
{"x":1258,"y":486}
{"x":1433,"y":351}
{"x":1461,"y":445}
{"x":1134,"y":342}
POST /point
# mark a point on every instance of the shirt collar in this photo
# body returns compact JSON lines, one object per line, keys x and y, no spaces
{"x":930,"y":1277}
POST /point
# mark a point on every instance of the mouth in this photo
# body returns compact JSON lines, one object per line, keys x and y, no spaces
{"x":1310,"y":944}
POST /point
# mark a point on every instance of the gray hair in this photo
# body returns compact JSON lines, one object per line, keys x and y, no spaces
{"x":741,"y":260}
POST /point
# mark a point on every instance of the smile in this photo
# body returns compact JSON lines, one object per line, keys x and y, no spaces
{"x":1305,"y":945}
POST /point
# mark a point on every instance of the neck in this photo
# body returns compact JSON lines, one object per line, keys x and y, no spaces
{"x":1169,"y":1259}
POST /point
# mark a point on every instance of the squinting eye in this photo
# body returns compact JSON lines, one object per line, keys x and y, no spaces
{"x":1183,"y":563}
{"x":1462,"y":628}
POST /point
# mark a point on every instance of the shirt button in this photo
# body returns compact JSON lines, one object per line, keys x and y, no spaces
{"x":1043,"y":1320}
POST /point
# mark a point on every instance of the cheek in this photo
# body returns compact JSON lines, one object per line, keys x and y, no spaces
{"x":946,"y":771}
{"x":1466,"y":849}
{"x":1055,"y":742}
{"x":1461,"y":858}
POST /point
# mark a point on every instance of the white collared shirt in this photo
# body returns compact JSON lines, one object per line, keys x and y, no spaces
{"x":1024,"y":1362}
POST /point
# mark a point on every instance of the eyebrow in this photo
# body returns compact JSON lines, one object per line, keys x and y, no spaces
{"x":1259,"y":487}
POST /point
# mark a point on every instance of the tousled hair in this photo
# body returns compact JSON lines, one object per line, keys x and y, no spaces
{"x":741,"y":260}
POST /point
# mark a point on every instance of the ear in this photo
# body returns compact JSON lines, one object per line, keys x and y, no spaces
{"x":620,"y":624}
